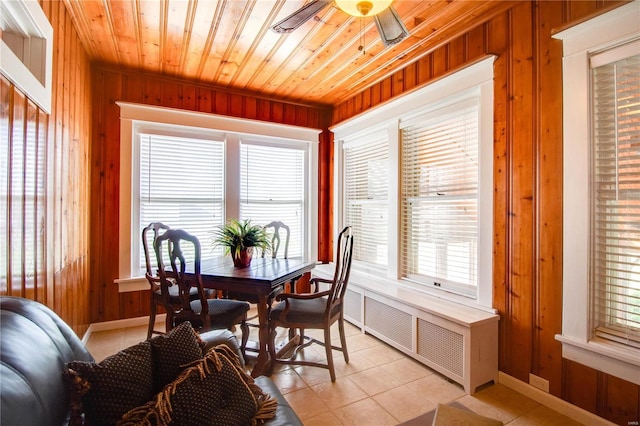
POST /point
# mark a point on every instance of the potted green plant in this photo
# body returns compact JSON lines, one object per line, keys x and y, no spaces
{"x":239,"y":238}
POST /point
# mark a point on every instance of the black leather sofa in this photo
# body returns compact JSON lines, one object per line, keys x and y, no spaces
{"x":35,"y":345}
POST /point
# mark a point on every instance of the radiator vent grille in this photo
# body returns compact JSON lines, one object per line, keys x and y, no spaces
{"x":388,"y":321}
{"x":441,"y":346}
{"x":352,"y":306}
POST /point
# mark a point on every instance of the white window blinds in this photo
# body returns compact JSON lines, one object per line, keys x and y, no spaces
{"x":615,"y":195}
{"x":272,"y":182}
{"x":439,"y":198}
{"x":182,"y":185}
{"x":366,"y":192}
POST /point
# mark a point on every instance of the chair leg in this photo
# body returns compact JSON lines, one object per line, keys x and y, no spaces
{"x":343,"y":340}
{"x":244,"y":327}
{"x":152,"y":318}
{"x":328,"y":349}
{"x":168,"y":324}
{"x":272,"y":349}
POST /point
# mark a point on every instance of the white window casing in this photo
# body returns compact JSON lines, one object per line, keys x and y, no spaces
{"x":615,"y":28}
{"x":471,"y":84}
{"x":137,"y":119}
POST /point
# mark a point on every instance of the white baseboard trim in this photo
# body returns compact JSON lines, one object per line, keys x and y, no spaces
{"x":123,"y":323}
{"x":553,"y":402}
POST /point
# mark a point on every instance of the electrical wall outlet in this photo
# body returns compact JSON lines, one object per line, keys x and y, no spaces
{"x":539,"y":382}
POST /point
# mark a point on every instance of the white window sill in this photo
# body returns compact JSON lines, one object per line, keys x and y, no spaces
{"x":609,"y":357}
{"x":444,"y":305}
{"x":131,"y":284}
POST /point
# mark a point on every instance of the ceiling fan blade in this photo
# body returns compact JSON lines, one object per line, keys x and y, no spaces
{"x":390,"y":27}
{"x":300,"y":16}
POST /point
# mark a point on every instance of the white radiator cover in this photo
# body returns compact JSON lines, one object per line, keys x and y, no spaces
{"x":457,"y":341}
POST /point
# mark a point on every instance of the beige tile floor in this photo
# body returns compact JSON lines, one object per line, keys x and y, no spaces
{"x":379,"y":386}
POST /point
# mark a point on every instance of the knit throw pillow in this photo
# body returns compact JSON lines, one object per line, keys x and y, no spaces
{"x":172,"y":352}
{"x":213,"y":391}
{"x":105,"y":391}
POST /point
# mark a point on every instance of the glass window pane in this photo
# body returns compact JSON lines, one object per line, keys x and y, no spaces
{"x":440,"y":199}
{"x":366,"y":192}
{"x":272,"y":182}
{"x":182,"y":185}
{"x":615,"y":200}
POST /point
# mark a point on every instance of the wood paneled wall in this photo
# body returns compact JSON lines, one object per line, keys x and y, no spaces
{"x":111,"y":85}
{"x":46,"y":234}
{"x":527,"y":260}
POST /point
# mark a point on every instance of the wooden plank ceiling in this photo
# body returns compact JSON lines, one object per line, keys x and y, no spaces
{"x":229,"y":43}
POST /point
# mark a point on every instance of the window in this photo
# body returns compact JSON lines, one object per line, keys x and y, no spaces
{"x":415,"y":179}
{"x":366,"y":193}
{"x":615,"y":195}
{"x":601,"y":201}
{"x":23,"y":201}
{"x":272,"y":182}
{"x":195,"y":170}
{"x":181,"y":184}
{"x":26,"y":49}
{"x":440,"y":198}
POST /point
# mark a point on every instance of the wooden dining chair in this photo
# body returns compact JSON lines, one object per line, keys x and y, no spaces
{"x":274,"y":229}
{"x":317,"y":310}
{"x":157,"y":298}
{"x":204,"y":313}
{"x":276,"y":238}
{"x":149,"y":234}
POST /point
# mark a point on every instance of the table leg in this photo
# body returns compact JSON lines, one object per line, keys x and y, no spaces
{"x":263,"y":361}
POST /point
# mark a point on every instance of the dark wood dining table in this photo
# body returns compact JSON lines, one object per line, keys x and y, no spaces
{"x":259,"y":283}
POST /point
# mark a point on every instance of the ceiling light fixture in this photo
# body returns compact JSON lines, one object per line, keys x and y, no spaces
{"x":390,"y":27}
{"x":361,"y":8}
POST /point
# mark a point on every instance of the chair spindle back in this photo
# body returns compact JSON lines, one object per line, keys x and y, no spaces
{"x":276,"y":239}
{"x":343,"y":268}
{"x":175,"y":239}
{"x":148,"y":239}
